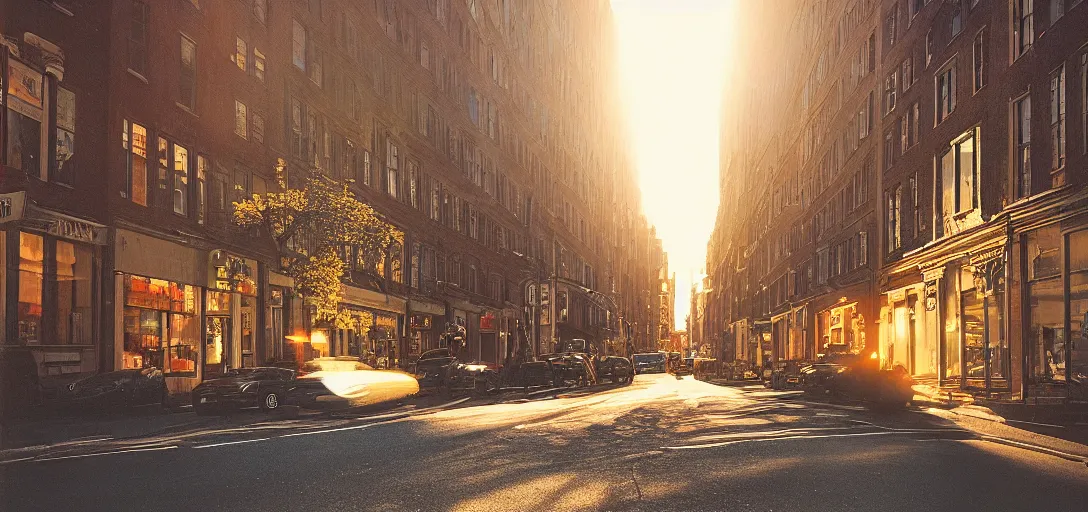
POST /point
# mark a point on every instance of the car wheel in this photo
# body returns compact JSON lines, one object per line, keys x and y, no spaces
{"x":270,"y":401}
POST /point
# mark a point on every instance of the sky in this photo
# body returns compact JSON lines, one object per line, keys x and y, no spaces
{"x":671,"y":62}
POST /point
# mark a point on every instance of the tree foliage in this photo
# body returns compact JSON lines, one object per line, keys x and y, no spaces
{"x":309,"y":227}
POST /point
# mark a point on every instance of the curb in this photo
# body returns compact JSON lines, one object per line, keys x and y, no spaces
{"x":1034,"y":448}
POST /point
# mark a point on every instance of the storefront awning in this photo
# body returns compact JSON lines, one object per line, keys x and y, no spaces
{"x":372,"y":299}
{"x":426,"y":307}
{"x":15,"y":207}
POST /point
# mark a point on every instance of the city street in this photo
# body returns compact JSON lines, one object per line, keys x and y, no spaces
{"x":658,"y":444}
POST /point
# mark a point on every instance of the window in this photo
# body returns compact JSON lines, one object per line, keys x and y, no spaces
{"x":257,"y":127}
{"x":1046,"y":335}
{"x":181,"y":180}
{"x":959,"y":172}
{"x":392,"y":166}
{"x":298,"y":148}
{"x":134,"y":141}
{"x":317,"y":74}
{"x":364,"y":169}
{"x":137,"y":37}
{"x":892,"y":226}
{"x":890,"y":28}
{"x":258,"y":64}
{"x":260,"y":10}
{"x":203,"y":167}
{"x":298,"y":46}
{"x":413,"y":184}
{"x":915,"y":6}
{"x":957,"y":18}
{"x":890,"y":87}
{"x":241,"y":53}
{"x":946,"y":91}
{"x":1023,"y":27}
{"x":907,"y":70}
{"x":1057,"y":119}
{"x":240,"y":123}
{"x":1022,"y":140}
{"x":1057,"y":10}
{"x":978,"y":53}
{"x":27,"y":107}
{"x":63,"y":170}
{"x":915,"y":207}
{"x":929,"y":48}
{"x":187,"y":80}
{"x":908,"y":129}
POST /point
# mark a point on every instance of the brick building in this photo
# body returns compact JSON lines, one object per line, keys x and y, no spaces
{"x":963,"y":221}
{"x":487,"y":131}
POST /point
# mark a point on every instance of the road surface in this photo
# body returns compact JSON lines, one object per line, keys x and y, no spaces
{"x":657,"y":444}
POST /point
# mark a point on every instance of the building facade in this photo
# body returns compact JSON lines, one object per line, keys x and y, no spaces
{"x":486,"y":131}
{"x":966,"y":213}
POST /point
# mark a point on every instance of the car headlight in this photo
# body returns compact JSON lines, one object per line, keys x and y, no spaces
{"x":249,"y":387}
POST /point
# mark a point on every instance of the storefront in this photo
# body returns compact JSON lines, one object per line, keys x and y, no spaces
{"x":380,"y":343}
{"x":489,"y":338}
{"x":909,"y":328}
{"x":158,"y":320}
{"x":426,"y":321}
{"x":1055,"y":303}
{"x":841,"y":328}
{"x":285,"y":327}
{"x":230,"y":335}
{"x":51,"y":282}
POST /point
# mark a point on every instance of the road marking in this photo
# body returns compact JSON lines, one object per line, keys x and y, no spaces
{"x":116,"y":452}
{"x":1034,"y":423}
{"x":10,"y":461}
{"x":228,"y":443}
{"x":785,"y":438}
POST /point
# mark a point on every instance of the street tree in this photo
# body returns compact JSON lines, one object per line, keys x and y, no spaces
{"x":310,"y":228}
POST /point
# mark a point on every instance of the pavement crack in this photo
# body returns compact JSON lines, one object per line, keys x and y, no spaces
{"x":634,"y":480}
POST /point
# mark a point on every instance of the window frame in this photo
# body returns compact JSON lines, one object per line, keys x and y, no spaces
{"x":944,"y":106}
{"x":1021,"y":145}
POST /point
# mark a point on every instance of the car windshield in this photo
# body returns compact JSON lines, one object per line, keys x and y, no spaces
{"x":649,"y":358}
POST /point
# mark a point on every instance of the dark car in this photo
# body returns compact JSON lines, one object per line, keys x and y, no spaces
{"x":651,"y":362}
{"x":433,"y":367}
{"x":263,"y":387}
{"x":19,"y":386}
{"x":117,"y":389}
{"x":705,"y":368}
{"x":853,"y":377}
{"x":617,"y":369}
{"x":786,"y":375}
{"x":570,"y":369}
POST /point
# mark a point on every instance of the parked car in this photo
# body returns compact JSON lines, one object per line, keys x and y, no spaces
{"x":705,"y":368}
{"x":19,"y":385}
{"x":853,"y":377}
{"x":264,"y":387}
{"x":786,"y":375}
{"x":570,"y":369}
{"x":432,"y":369}
{"x":651,"y":362}
{"x":116,"y":390}
{"x":617,"y":369}
{"x":349,"y":388}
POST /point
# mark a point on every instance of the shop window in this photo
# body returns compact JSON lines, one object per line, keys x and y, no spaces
{"x":74,"y":293}
{"x":161,"y":326}
{"x":31,"y":269}
{"x":982,"y":315}
{"x":25,"y":107}
{"x":1046,"y":331}
{"x":1078,"y":306}
{"x":951,"y":331}
{"x":134,"y":141}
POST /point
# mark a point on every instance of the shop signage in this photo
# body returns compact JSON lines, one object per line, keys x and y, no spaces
{"x":931,"y":296}
{"x":74,"y":230}
{"x":422,"y":322}
{"x":385,"y":322}
{"x":11,"y":206}
{"x":487,"y":322}
{"x":897,"y":295}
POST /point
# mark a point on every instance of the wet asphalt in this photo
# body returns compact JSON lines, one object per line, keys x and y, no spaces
{"x":657,"y":444}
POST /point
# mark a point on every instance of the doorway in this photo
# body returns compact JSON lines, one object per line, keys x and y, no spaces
{"x":217,"y":346}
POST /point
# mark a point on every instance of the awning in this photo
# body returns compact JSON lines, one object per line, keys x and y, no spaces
{"x":15,"y":207}
{"x":372,"y":299}
{"x":426,"y":307}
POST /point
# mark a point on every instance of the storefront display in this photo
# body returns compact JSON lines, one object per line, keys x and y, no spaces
{"x":161,"y":325}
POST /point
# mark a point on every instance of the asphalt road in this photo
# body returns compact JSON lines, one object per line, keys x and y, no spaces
{"x":658,"y":444}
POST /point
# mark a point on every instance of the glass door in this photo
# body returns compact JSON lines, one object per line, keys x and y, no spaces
{"x":217,"y":347}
